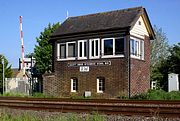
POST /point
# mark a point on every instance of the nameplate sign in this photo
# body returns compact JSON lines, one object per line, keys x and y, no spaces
{"x":84,"y":68}
{"x":97,"y":63}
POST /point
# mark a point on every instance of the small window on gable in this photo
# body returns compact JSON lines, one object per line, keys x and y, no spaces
{"x":139,"y":22}
{"x":74,"y":84}
{"x":100,"y":84}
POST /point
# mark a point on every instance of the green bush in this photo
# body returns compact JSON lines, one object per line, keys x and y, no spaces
{"x":173,"y":95}
{"x":40,"y":95}
{"x":8,"y":94}
{"x":142,"y":96}
{"x":158,"y":95}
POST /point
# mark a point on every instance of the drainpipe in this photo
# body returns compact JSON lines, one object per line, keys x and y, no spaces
{"x":128,"y":55}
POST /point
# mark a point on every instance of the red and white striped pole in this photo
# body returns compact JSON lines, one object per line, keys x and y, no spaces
{"x":22,"y":46}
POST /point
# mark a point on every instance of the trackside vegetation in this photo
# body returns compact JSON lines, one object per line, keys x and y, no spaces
{"x":150,"y":95}
{"x":158,"y":95}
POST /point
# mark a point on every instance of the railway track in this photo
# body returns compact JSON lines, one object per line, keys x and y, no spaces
{"x":163,"y":108}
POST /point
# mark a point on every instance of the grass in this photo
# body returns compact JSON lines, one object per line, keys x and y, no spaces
{"x":158,"y":95}
{"x":150,"y":95}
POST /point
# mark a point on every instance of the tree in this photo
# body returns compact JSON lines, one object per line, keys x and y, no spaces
{"x":159,"y":47}
{"x":159,"y":53}
{"x":7,"y":69}
{"x":169,"y":65}
{"x":174,"y":59}
{"x":29,"y":55}
{"x":43,"y":51}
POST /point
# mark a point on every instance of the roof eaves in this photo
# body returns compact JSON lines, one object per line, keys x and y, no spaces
{"x":54,"y":37}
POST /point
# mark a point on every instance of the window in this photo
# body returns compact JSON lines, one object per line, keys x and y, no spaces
{"x":100,"y":85}
{"x":66,"y":50}
{"x":74,"y":85}
{"x":94,"y":48}
{"x":62,"y":51}
{"x":108,"y":47}
{"x":137,"y":48}
{"x":82,"y":49}
{"x":112,"y":47}
{"x":71,"y":49}
{"x":119,"y":46}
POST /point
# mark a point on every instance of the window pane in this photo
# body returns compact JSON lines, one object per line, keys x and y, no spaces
{"x":84,"y":49}
{"x":108,"y":47}
{"x":119,"y":45}
{"x":96,"y":47}
{"x":136,"y":48}
{"x":74,"y":84}
{"x":101,"y":84}
{"x":100,"y":89}
{"x":142,"y":49}
{"x":92,"y":49}
{"x":132,"y":46}
{"x":80,"y":49}
{"x":62,"y":51}
{"x":71,"y":50}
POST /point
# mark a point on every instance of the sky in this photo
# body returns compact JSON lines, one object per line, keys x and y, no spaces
{"x":37,"y":14}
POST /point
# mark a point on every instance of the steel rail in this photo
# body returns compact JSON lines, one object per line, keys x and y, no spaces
{"x":163,"y":108}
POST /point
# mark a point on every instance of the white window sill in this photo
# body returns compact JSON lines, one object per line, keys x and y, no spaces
{"x":99,"y":91}
{"x":136,"y":57}
{"x":73,"y":90}
{"x":97,"y":57}
{"x":82,"y":58}
{"x":112,"y":56}
{"x":65,"y":59}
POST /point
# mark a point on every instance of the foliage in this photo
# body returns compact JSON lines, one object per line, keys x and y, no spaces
{"x":41,"y":95}
{"x":174,"y":59}
{"x":7,"y":69}
{"x":159,"y":53}
{"x":11,"y":94}
{"x":169,"y":65}
{"x":29,"y":55}
{"x":76,"y":96}
{"x":159,"y":47}
{"x":158,"y":95}
{"x":43,"y":51}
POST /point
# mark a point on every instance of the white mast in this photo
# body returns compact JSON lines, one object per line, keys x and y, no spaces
{"x":67,"y":15}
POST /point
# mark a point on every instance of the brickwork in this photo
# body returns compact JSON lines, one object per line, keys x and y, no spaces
{"x":140,"y":71}
{"x":114,"y":74}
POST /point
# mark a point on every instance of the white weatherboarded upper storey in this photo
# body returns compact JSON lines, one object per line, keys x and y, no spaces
{"x":139,"y":29}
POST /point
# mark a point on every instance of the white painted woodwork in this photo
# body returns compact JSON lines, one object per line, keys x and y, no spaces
{"x":139,"y":30}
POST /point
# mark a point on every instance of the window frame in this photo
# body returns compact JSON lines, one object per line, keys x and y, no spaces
{"x":113,"y":55}
{"x":83,"y":57}
{"x":93,"y":41}
{"x":70,"y":58}
{"x":72,"y":85}
{"x":98,"y":82}
{"x":138,"y":45}
{"x":58,"y":51}
{"x":66,"y":51}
